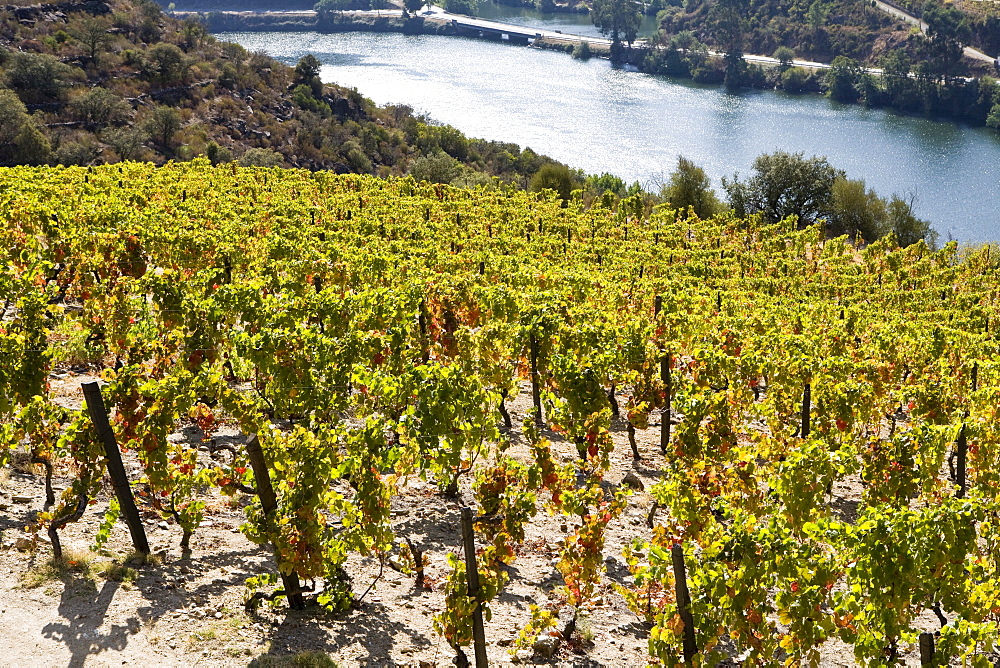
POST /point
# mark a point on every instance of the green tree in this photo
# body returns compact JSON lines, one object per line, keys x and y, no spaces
{"x":30,"y":146}
{"x":907,"y":227}
{"x":900,"y":88}
{"x":92,"y":33}
{"x":784,"y":184}
{"x":467,"y":7}
{"x":413,"y":6}
{"x":437,"y":168}
{"x":38,"y":77}
{"x":307,"y":73}
{"x":857,"y":210}
{"x":165,"y":64}
{"x":555,"y":177}
{"x":784,"y":56}
{"x":162,"y":124}
{"x":947,"y":30}
{"x":261,"y":157}
{"x":605,"y":182}
{"x":100,"y":107}
{"x":842,"y":79}
{"x":618,"y":18}
{"x":13,"y":114}
{"x":689,"y":186}
{"x":993,"y":120}
{"x":125,"y":141}
{"x":727,"y":21}
{"x":795,"y":79}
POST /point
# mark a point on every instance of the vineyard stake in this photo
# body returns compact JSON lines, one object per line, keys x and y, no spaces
{"x":472,"y":577}
{"x":665,"y":379}
{"x":926,"y":650}
{"x":683,"y":601}
{"x":269,"y":503}
{"x":961,"y":448}
{"x":536,"y":394}
{"x":422,"y":322}
{"x":99,"y":416}
{"x":806,"y":400}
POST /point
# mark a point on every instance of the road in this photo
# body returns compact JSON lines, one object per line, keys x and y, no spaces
{"x":892,"y":10}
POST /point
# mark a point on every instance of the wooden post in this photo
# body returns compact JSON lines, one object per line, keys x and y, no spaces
{"x":472,"y":577}
{"x":424,"y":343}
{"x":665,"y":379}
{"x":806,"y":400}
{"x":536,"y":393}
{"x":683,"y":602}
{"x":926,"y":650}
{"x":961,"y":449}
{"x":99,"y":416}
{"x":269,"y":503}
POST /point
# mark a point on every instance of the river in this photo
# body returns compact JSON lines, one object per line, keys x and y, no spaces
{"x":602,"y":119}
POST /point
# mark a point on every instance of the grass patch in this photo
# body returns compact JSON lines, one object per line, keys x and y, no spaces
{"x":73,"y":564}
{"x":300,"y":660}
{"x":84,"y":566}
{"x":119,"y":573}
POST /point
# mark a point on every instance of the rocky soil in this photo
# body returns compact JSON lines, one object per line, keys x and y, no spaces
{"x":187,"y":609}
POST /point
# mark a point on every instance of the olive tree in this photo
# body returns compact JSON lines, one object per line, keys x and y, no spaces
{"x":784,"y":184}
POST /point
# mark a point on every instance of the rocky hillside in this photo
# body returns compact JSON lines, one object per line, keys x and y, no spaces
{"x":96,"y":82}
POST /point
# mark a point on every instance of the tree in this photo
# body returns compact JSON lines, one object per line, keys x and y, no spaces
{"x":162,"y":124}
{"x":795,"y":79}
{"x":125,"y":141}
{"x":784,"y":56}
{"x":907,"y":227}
{"x":842,"y":79}
{"x":30,"y":146}
{"x":437,"y":168}
{"x":165,"y":64}
{"x":261,"y":157}
{"x":618,"y":18}
{"x":468,"y":7}
{"x":690,"y":186}
{"x":947,"y":29}
{"x":857,"y":210}
{"x":727,"y":21}
{"x":38,"y":77}
{"x":307,"y":73}
{"x":555,"y":177}
{"x":993,"y":120}
{"x":13,"y":115}
{"x":100,"y":107}
{"x":900,"y":89}
{"x":92,"y":33}
{"x":784,"y":184}
{"x":413,"y":6}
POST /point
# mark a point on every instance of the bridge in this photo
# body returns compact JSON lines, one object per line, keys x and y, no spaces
{"x":473,"y":27}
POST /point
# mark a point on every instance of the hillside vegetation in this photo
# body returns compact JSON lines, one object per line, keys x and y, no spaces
{"x":92,"y":82}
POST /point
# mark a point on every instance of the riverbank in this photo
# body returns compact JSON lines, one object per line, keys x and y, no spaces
{"x":975,"y":100}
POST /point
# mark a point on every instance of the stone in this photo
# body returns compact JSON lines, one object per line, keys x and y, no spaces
{"x":546,"y":646}
{"x":24,"y":544}
{"x":633,"y":481}
{"x":18,"y":498}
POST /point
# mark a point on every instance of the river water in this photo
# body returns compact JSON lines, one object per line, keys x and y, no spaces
{"x":602,"y":119}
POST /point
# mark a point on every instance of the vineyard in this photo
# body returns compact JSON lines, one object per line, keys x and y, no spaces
{"x":352,"y":335}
